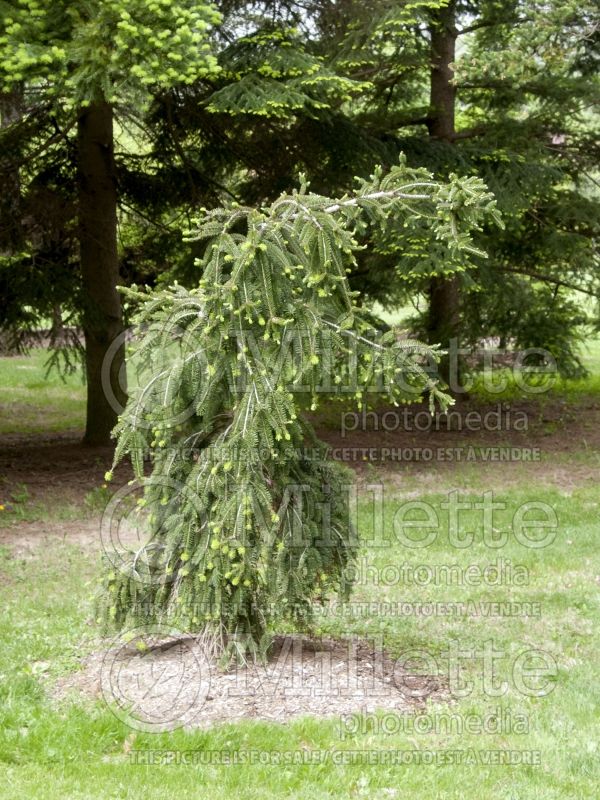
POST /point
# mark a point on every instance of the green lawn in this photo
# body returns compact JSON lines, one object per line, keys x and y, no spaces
{"x":33,"y":401}
{"x":78,"y":749}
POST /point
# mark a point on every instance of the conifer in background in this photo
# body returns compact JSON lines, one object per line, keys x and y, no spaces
{"x":94,"y":59}
{"x":508,"y":91}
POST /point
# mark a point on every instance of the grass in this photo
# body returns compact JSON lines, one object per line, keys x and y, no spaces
{"x":506,"y":385}
{"x":79,"y":750}
{"x":34,"y":402}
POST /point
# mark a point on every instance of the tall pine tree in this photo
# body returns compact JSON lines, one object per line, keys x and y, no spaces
{"x":96,"y":58}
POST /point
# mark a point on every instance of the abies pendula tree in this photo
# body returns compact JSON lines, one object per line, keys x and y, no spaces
{"x":248,"y":521}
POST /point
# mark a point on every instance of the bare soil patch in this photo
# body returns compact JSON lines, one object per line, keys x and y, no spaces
{"x":171,"y":683}
{"x":25,"y":538}
{"x":56,"y":468}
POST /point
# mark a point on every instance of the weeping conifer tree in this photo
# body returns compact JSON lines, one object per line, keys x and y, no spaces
{"x":248,"y":521}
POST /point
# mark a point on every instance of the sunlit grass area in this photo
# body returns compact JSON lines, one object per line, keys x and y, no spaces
{"x":27,"y":384}
{"x":33,"y":400}
{"x":54,"y":749}
{"x":505,"y":384}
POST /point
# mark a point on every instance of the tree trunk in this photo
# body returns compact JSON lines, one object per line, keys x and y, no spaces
{"x":102,"y":316}
{"x":442,"y":92}
{"x":444,"y":292}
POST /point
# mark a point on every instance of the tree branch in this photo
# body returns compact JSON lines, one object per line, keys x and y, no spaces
{"x":549,"y":279}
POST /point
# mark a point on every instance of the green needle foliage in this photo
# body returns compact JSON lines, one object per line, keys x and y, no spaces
{"x":249,"y":522}
{"x":85,"y":49}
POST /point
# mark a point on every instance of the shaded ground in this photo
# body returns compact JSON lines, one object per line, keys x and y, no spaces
{"x":54,"y":468}
{"x":556,"y":444}
{"x":484,"y":446}
{"x":46,"y":481}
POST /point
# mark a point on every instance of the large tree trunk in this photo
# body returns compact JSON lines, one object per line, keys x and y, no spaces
{"x":102,"y":320}
{"x":444,"y":292}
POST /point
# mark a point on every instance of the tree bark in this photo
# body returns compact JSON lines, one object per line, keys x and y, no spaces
{"x":444,"y":292}
{"x":102,"y":314}
{"x":442,"y":95}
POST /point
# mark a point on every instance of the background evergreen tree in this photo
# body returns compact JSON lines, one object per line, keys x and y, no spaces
{"x":87,"y":60}
{"x":479,"y":88}
{"x":505,"y":91}
{"x":327,"y":89}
